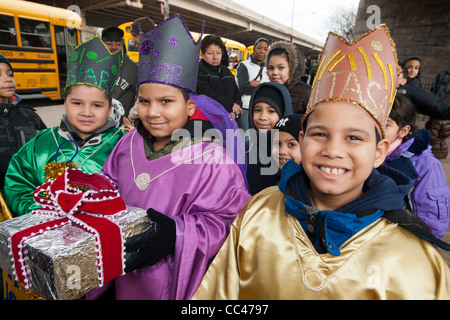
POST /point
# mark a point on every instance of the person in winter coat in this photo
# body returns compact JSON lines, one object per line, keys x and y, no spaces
{"x":424,"y":101}
{"x":125,"y":88}
{"x":268,"y":104}
{"x":412,"y":66}
{"x":18,"y":123}
{"x":286,"y":65}
{"x":249,"y":74}
{"x":215,"y":80}
{"x":410,"y":153}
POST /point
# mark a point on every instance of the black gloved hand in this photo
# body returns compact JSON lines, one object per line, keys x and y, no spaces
{"x":151,"y":246}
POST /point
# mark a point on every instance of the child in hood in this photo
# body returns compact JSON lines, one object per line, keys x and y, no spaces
{"x":269,"y":103}
{"x":410,"y":153}
{"x":18,"y":123}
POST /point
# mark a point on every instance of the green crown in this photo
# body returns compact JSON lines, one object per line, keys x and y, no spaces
{"x":92,"y":63}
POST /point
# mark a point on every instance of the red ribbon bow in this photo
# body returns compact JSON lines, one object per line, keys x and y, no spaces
{"x":89,"y":210}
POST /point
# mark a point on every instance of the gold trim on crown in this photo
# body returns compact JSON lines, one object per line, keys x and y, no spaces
{"x":361,"y":73}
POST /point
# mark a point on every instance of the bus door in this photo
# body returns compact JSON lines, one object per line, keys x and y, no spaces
{"x":63,"y":36}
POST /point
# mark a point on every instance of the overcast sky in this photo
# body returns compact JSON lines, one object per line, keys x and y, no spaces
{"x":309,"y":16}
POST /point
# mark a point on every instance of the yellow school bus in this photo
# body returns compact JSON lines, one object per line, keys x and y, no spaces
{"x":231,"y":45}
{"x":33,"y":38}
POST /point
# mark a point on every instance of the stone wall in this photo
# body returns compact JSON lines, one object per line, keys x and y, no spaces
{"x":419,"y":28}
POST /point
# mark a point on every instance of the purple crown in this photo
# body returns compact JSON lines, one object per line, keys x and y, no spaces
{"x":169,"y":55}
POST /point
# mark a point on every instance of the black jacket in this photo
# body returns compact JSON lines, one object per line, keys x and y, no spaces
{"x":426,"y":102}
{"x":125,"y":87}
{"x":18,"y":124}
{"x":217,"y":82}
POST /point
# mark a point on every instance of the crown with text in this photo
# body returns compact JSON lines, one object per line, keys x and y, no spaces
{"x":91,"y":63}
{"x":364,"y":73}
{"x":169,"y":55}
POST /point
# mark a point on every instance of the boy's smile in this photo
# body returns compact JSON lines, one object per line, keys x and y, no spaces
{"x":162,"y":110}
{"x":339,"y":151}
{"x":285,"y":148}
{"x":265,"y":117}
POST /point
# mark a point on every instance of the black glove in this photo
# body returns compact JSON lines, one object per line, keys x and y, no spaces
{"x":152,"y":245}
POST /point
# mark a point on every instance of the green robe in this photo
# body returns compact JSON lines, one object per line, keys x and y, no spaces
{"x":25,"y":172}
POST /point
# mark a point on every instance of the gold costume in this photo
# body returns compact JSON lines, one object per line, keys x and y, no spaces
{"x":268,"y":256}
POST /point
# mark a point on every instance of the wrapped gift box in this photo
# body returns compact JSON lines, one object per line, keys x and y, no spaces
{"x":62,"y":263}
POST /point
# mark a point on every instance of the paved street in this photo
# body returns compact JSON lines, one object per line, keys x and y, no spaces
{"x":51,"y":115}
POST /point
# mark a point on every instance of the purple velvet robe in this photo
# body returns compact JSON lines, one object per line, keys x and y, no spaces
{"x":202,"y":195}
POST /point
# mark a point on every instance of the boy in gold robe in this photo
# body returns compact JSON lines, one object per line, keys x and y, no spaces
{"x":335,"y":227}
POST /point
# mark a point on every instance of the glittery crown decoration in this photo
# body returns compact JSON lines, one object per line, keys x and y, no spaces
{"x":169,"y":55}
{"x":363,"y":73}
{"x":92,"y":63}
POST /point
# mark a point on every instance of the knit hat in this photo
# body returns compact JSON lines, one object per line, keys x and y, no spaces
{"x":271,"y":96}
{"x":112,"y":34}
{"x":144,"y":23}
{"x":4,"y":60}
{"x":291,"y":124}
{"x":261,"y":39}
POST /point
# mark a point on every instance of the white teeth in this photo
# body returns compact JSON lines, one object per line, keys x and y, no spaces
{"x":334,"y":171}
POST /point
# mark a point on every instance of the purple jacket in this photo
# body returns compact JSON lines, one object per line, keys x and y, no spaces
{"x":430,"y":194}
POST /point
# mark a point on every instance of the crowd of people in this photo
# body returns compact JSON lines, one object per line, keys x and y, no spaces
{"x":312,"y":185}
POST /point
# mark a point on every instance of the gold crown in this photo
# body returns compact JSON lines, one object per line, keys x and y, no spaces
{"x":364,"y":73}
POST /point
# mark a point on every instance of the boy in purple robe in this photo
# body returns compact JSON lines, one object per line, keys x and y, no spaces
{"x":182,"y":163}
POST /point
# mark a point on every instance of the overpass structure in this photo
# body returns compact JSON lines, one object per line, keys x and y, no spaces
{"x":222,"y":17}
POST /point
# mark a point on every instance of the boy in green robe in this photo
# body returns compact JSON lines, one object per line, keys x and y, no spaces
{"x":86,"y":135}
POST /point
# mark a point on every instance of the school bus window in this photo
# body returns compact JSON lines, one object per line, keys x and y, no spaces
{"x":131,"y":46}
{"x":7,"y":31}
{"x":35,"y":33}
{"x":59,"y":39}
{"x":72,"y":36}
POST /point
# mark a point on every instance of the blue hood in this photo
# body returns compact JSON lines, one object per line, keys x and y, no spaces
{"x":384,"y":190}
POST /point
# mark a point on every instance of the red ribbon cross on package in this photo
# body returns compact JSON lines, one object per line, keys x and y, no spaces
{"x":91,"y":210}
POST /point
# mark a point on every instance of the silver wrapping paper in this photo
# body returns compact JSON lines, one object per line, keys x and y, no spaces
{"x":62,"y":263}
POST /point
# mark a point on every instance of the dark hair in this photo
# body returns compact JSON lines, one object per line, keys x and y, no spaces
{"x":68,"y":90}
{"x":277,"y":51}
{"x":403,"y":113}
{"x":209,"y":40}
{"x":184,"y":92}
{"x":405,"y":73}
{"x":410,"y":59}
